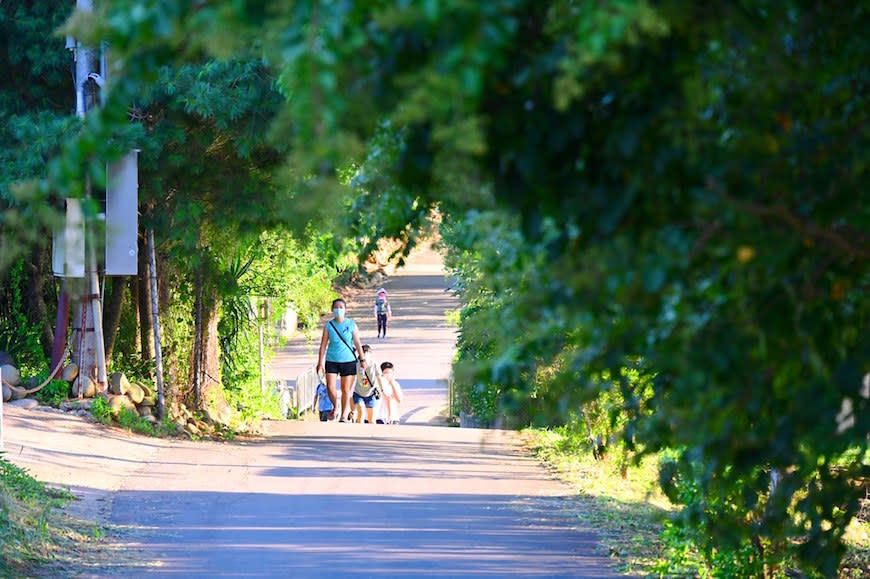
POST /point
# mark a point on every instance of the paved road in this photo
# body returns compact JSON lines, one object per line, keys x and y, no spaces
{"x":325,"y":499}
{"x":420,"y":341}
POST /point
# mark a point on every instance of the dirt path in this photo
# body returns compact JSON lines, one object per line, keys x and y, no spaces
{"x":315,"y":498}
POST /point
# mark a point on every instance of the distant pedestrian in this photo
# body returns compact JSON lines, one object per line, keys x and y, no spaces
{"x":340,"y":350}
{"x":392,"y":395}
{"x":324,"y":404}
{"x":368,"y":387}
{"x":382,"y":312}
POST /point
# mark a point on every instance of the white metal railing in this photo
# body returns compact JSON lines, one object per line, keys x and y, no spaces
{"x":306,"y":386}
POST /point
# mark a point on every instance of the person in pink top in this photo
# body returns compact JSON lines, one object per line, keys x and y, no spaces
{"x":382,"y":312}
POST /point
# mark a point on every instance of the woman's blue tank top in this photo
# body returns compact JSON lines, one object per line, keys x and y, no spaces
{"x":336,"y":350}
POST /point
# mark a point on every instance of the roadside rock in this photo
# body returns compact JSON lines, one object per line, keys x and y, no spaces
{"x":144,"y":411}
{"x":206,"y":416}
{"x":25,"y":403}
{"x":118,"y":383}
{"x":6,"y":359}
{"x":118,"y":401}
{"x":90,"y":387}
{"x":70,"y":372}
{"x":11,"y":375}
{"x":135,"y":393}
{"x":149,"y":393}
{"x":75,"y":405}
{"x":7,"y":393}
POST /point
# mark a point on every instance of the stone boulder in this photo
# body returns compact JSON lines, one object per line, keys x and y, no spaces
{"x":206,"y":416}
{"x":119,"y":401}
{"x":144,"y":411}
{"x":147,"y":390}
{"x":25,"y":403}
{"x":118,"y":383}
{"x":6,"y":359}
{"x":135,"y":393}
{"x":191,"y":429}
{"x":11,"y":375}
{"x":90,"y":387}
{"x":73,"y":405}
{"x":18,"y":393}
{"x":70,"y":372}
{"x":7,"y":393}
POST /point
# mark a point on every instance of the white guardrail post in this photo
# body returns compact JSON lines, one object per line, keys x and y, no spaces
{"x":306,"y":386}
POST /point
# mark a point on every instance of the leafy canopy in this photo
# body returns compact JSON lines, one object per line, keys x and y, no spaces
{"x":693,"y":172}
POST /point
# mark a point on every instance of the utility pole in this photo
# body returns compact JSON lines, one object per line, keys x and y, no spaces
{"x":77,"y":245}
{"x":88,"y":342}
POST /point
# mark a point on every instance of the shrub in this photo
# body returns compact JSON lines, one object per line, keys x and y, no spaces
{"x":101,"y":410}
{"x":53,"y":393}
{"x":130,"y":420}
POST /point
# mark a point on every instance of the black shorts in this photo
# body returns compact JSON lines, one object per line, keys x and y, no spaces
{"x":341,"y":368}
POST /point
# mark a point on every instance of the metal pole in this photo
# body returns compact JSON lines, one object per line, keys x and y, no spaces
{"x":158,"y":358}
{"x":60,"y":327}
{"x":97,"y":314}
{"x":86,"y":63}
{"x":262,"y":366}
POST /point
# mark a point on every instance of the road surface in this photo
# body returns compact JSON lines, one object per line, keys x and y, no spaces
{"x":324,"y":499}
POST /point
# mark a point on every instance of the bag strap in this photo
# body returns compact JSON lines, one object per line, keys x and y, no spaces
{"x":351,"y":348}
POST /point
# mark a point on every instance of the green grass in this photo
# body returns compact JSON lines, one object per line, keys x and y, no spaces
{"x":29,"y":529}
{"x":627,"y":509}
{"x":622,"y":504}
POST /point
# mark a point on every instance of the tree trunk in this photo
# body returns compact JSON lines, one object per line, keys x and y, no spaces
{"x":206,"y":365}
{"x":196,"y":363}
{"x":210,"y":383}
{"x":146,"y":333}
{"x":112,"y":313}
{"x":37,"y":311}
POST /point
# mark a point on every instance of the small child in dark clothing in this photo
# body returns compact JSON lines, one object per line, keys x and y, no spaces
{"x":382,"y":312}
{"x":324,"y":404}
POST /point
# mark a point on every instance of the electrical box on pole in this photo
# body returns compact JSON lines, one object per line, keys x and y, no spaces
{"x":68,"y":252}
{"x":81,"y":245}
{"x":122,"y":222}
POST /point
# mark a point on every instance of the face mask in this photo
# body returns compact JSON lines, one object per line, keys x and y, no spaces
{"x":338,"y":313}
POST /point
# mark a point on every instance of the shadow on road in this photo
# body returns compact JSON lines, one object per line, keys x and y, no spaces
{"x":363,"y":535}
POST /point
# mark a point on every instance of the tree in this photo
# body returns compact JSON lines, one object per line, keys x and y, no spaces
{"x":35,"y":99}
{"x":694,"y":172}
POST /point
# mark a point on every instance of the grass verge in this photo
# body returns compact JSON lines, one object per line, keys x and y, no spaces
{"x":623,"y":505}
{"x":34,"y":530}
{"x":629,"y":511}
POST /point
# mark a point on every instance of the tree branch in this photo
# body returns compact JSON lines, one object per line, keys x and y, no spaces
{"x":851,"y":248}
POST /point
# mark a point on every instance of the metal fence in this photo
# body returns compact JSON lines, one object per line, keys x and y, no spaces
{"x":306,"y":386}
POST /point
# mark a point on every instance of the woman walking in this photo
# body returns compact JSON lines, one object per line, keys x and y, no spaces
{"x":340,"y":351}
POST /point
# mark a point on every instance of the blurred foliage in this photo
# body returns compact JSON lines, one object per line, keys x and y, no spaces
{"x":18,"y":336}
{"x":674,"y":188}
{"x":36,"y":105}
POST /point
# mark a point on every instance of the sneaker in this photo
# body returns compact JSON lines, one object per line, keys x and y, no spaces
{"x":380,"y":421}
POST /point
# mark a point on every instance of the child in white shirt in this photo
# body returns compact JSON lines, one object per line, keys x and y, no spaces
{"x":392,"y":394}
